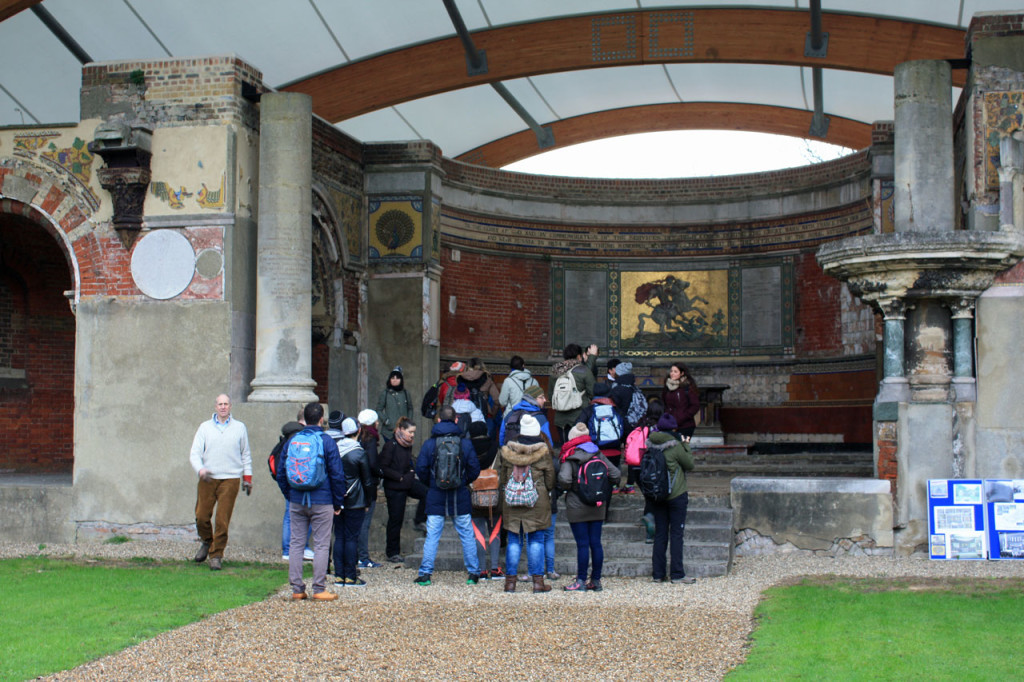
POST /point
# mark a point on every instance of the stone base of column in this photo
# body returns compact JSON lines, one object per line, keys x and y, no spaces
{"x":966,"y":389}
{"x":282,"y":390}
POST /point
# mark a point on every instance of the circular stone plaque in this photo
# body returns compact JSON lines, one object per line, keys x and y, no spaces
{"x":163,"y":264}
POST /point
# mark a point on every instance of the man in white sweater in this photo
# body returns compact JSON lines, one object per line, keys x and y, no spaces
{"x":220,"y":456}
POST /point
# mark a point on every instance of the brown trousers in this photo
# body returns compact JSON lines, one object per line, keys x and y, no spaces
{"x":219,"y":493}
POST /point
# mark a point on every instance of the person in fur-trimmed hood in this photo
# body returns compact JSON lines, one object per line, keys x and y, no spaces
{"x":670,"y":514}
{"x":529,"y":451}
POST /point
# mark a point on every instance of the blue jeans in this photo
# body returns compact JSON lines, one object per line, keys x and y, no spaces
{"x":286,"y":529}
{"x":588,"y":545}
{"x":364,"y":534}
{"x":549,"y":546}
{"x":534,"y":552}
{"x":464,"y":527}
{"x":346,"y":540}
{"x":669,"y":524}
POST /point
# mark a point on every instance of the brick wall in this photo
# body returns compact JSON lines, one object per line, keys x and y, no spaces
{"x":37,"y":336}
{"x":818,"y":325}
{"x":503,"y":306}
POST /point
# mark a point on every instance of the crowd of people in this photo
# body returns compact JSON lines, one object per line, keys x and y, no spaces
{"x":497,"y":462}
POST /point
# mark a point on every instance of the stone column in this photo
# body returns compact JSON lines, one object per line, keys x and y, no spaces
{"x":894,"y":312}
{"x":1011,"y":160}
{"x":924,"y":147}
{"x":284,"y":364}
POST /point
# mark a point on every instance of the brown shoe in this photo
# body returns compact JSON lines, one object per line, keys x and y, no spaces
{"x":539,"y":585}
{"x":510,"y":583}
{"x":215,"y":563}
{"x":202,"y":552}
{"x":325,"y":596}
{"x":299,"y":595}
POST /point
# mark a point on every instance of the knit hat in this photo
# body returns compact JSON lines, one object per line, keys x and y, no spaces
{"x":349,"y":426}
{"x":457,"y":367}
{"x":397,"y":369}
{"x":477,"y":430}
{"x":578,"y":430}
{"x":602,"y":389}
{"x":335,"y":418}
{"x":367,"y":417}
{"x":667,"y":423}
{"x":529,"y":426}
{"x":461,"y":392}
{"x":534,"y":391}
{"x":624,"y":368}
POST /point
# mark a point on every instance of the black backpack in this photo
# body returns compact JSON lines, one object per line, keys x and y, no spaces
{"x":593,"y":482}
{"x":479,"y":398}
{"x":654,"y":480}
{"x":429,"y":406}
{"x":512,"y":425}
{"x":448,"y":473}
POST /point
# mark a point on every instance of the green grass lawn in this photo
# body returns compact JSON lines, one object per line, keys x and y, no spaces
{"x":56,"y":614}
{"x":843,"y":629}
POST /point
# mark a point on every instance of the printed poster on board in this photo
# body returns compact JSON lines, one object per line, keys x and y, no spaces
{"x":1004,"y":510}
{"x":956,"y":519}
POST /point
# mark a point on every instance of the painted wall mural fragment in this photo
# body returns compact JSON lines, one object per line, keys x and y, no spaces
{"x":175,"y":198}
{"x":1004,"y":114}
{"x":208,"y":198}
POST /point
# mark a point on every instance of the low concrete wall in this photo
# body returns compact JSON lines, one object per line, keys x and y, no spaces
{"x":830,"y":516}
{"x":36,"y":511}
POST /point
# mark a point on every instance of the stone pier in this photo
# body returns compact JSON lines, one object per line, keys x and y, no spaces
{"x":285,"y":251}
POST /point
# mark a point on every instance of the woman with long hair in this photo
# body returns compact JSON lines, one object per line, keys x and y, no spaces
{"x":681,"y":398}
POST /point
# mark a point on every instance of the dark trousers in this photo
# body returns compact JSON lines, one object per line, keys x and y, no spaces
{"x":669,"y":524}
{"x":588,"y":547}
{"x":346,"y":541}
{"x":396,"y":514}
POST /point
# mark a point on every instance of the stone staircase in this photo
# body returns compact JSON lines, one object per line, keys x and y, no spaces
{"x":707,"y":549}
{"x":709,"y":540}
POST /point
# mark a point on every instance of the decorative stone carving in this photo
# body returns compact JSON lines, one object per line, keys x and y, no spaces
{"x":126,"y":150}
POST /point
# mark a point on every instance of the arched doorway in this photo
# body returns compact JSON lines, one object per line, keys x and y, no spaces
{"x":37,"y":350}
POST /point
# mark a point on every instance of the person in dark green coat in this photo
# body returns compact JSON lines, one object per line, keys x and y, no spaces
{"x":670,"y":514}
{"x":394,"y":402}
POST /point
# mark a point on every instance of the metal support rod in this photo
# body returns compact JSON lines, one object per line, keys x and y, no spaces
{"x":816,"y":35}
{"x":60,"y":34}
{"x":545,"y":138}
{"x":474,"y":57}
{"x":819,"y":121}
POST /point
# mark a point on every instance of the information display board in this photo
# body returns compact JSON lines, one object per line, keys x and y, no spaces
{"x":956,"y":519}
{"x":1004,"y":515}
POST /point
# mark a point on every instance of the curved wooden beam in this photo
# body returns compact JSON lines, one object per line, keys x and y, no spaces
{"x":8,"y":8}
{"x":761,"y":118}
{"x":755,"y":36}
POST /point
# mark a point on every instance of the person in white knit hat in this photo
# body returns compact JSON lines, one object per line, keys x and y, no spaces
{"x":369,"y":438}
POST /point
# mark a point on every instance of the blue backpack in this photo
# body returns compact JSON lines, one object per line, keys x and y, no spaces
{"x":605,"y":425}
{"x":305,"y":466}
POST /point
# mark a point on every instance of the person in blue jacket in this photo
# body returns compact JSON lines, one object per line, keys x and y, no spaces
{"x":533,"y":403}
{"x":313,"y":508}
{"x":453,"y":502}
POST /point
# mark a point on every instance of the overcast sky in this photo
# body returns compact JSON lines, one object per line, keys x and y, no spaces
{"x":678,"y":154}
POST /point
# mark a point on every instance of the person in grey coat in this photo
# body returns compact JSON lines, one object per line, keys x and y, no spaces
{"x":347,"y":525}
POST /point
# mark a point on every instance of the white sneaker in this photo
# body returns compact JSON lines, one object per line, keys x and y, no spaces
{"x":307,"y":554}
{"x":284,"y":557}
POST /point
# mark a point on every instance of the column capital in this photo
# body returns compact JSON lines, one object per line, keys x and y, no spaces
{"x":961,"y":308}
{"x":894,"y":308}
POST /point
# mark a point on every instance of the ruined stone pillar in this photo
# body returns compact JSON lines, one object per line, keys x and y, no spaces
{"x":284,"y":364}
{"x":894,"y":311}
{"x":963,"y":347}
{"x":923,"y":172}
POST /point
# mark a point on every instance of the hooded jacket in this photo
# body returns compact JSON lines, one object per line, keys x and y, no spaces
{"x":392,"y":404}
{"x":529,"y":451}
{"x":678,"y":459}
{"x":576,"y":509}
{"x":514,"y":386}
{"x":481,"y":381}
{"x":526,"y":405}
{"x":683,"y":403}
{"x":356,"y":466}
{"x":452,"y":502}
{"x":396,"y":465}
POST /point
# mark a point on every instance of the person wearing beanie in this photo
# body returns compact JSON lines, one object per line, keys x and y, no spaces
{"x":585,"y":520}
{"x":515,"y":384}
{"x":681,"y":397}
{"x":348,"y":524}
{"x":449,"y":380}
{"x":670,"y":514}
{"x":393,"y":402}
{"x":466,"y":411}
{"x":369,"y":439}
{"x":533,"y":403}
{"x":334,"y":422}
{"x":527,"y":458}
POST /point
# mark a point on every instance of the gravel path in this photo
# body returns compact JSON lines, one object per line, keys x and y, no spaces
{"x":393,"y":629}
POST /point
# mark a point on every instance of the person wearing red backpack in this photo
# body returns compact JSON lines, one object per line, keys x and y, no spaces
{"x":585,"y":520}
